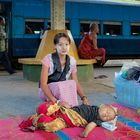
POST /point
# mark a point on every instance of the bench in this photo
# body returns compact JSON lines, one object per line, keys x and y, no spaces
{"x":32,"y":66}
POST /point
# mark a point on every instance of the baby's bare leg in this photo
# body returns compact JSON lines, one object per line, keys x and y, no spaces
{"x":88,"y":129}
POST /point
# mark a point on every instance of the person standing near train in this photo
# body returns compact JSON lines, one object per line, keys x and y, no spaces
{"x":4,"y":59}
{"x":88,"y":48}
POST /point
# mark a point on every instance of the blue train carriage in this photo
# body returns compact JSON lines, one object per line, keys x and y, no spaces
{"x":119,"y":25}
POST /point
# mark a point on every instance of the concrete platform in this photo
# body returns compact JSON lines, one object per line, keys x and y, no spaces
{"x":19,"y":96}
{"x":111,"y":63}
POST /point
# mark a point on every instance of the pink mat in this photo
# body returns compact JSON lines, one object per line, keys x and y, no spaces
{"x":9,"y":130}
{"x":122,"y":133}
{"x":128,"y":113}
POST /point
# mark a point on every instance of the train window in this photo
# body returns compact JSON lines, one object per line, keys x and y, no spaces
{"x":34,"y":26}
{"x":135,"y":29}
{"x":112,"y":28}
{"x":48,"y":25}
{"x":67,"y":24}
{"x":84,"y":26}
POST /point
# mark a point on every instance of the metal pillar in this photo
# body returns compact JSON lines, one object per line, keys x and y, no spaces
{"x":57,"y":14}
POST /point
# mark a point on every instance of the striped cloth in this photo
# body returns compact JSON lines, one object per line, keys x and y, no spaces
{"x":63,"y":90}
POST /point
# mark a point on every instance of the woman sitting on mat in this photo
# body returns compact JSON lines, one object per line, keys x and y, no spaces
{"x":88,"y":46}
{"x":57,"y":68}
{"x":52,"y":117}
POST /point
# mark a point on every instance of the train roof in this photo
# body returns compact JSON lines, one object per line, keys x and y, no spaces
{"x":116,"y":2}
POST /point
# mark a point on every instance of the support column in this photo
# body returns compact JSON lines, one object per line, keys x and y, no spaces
{"x":57,"y":14}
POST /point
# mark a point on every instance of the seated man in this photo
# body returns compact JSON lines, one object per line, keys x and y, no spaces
{"x":52,"y":117}
{"x":88,"y":46}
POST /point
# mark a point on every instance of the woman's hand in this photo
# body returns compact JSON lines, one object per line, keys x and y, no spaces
{"x":85,"y":100}
{"x":65,"y":104}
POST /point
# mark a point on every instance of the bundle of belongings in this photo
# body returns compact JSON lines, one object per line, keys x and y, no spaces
{"x":131,"y":72}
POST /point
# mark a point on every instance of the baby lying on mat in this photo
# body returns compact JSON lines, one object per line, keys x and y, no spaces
{"x":51,"y":117}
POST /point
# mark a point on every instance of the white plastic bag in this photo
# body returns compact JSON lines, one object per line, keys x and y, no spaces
{"x":128,"y":65}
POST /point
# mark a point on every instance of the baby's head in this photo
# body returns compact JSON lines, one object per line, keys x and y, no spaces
{"x":107,"y":113}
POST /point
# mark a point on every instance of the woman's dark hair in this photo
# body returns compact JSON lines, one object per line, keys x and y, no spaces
{"x":92,"y":26}
{"x":58,"y":36}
